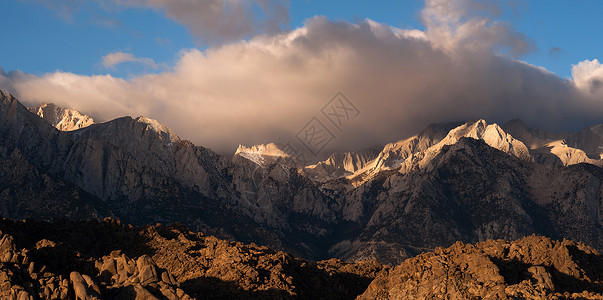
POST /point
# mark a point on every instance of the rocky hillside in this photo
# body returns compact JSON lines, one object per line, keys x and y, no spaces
{"x":468,"y":181}
{"x":109,"y":260}
{"x":530,"y":268}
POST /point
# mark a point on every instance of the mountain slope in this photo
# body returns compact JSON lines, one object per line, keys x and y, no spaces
{"x":472,"y":192}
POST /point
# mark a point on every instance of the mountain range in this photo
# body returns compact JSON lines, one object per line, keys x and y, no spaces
{"x":466,"y":181}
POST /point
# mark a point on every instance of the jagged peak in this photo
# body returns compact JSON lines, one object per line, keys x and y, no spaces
{"x":7,"y":97}
{"x":264,"y":154}
{"x":340,"y":164}
{"x":269,"y":149}
{"x":158,"y":128}
{"x":64,"y":119}
{"x":420,"y":149}
{"x":4,"y":93}
{"x":492,"y":134}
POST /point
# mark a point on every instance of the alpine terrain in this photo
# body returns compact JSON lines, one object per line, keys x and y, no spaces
{"x":468,"y":209}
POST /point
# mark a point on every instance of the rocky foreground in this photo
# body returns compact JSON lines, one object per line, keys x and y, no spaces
{"x":109,"y":260}
{"x":530,"y":268}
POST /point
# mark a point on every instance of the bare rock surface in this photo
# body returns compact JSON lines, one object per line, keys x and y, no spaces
{"x":62,"y":270}
{"x":64,"y":119}
{"x":530,"y":268}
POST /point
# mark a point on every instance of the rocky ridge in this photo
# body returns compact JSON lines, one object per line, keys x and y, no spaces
{"x":585,"y":146}
{"x":64,"y":119}
{"x":340,"y":164}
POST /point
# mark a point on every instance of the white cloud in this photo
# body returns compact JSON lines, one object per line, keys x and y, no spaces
{"x":588,"y":77}
{"x":113,"y":59}
{"x":470,"y":24}
{"x":265,"y":89}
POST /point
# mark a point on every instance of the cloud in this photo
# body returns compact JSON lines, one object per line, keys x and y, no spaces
{"x":588,"y":76}
{"x":469,"y":24}
{"x":218,"y":21}
{"x":267,"y":88}
{"x":113,"y":59}
{"x":211,"y":21}
{"x":555,"y":51}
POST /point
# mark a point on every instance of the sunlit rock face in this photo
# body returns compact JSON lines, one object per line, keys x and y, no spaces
{"x":63,"y":119}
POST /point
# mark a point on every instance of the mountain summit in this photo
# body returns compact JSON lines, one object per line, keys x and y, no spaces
{"x":64,"y":119}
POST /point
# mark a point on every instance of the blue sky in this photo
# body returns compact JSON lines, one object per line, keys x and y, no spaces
{"x":39,"y":40}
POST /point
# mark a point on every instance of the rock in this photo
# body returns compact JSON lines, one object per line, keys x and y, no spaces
{"x":143,"y":261}
{"x":169,"y":294}
{"x":116,"y":253}
{"x":542,"y":277}
{"x":123,"y":276}
{"x":108,"y":269}
{"x":83,"y":287}
{"x":80,"y":286}
{"x":165,"y":278}
{"x":91,"y":285}
{"x":31,"y":268}
{"x":493,"y":270}
{"x":109,"y":266}
{"x":143,"y":294}
{"x":23,"y":295}
{"x":148,"y":274}
{"x":48,"y":292}
{"x":6,"y":243}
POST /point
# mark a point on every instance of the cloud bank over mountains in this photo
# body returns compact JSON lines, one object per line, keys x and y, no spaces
{"x":462,"y":66}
